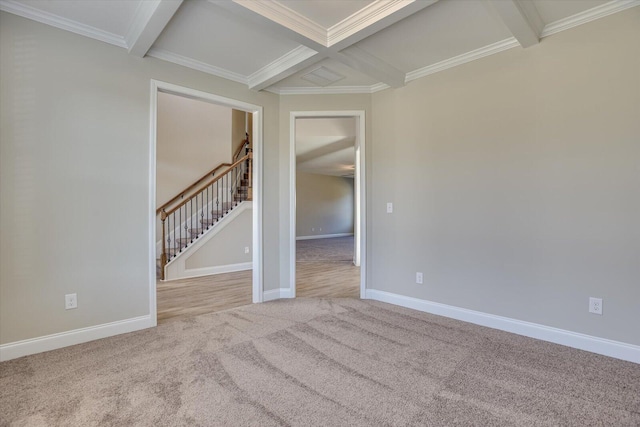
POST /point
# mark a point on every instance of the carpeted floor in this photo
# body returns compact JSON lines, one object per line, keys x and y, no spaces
{"x":319,"y":362}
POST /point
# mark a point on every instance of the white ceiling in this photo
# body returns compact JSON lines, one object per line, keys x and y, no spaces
{"x":372,"y":44}
{"x":326,"y":146}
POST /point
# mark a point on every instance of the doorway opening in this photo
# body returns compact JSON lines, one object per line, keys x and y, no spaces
{"x":327,"y":196}
{"x":197,"y":232}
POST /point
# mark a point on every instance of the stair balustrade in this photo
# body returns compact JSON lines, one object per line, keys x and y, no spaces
{"x":185,"y":222}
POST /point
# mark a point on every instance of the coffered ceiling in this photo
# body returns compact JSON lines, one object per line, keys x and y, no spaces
{"x":317,"y":46}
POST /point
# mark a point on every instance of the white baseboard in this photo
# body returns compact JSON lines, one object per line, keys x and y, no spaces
{"x":77,"y":336}
{"x":210,"y":271}
{"x":275,"y":294}
{"x":323,"y":236}
{"x":616,"y":349}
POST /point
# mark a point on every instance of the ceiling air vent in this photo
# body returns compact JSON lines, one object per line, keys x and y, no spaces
{"x":322,"y":76}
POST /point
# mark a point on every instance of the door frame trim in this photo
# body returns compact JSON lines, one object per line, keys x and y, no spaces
{"x":257,"y":237}
{"x":360,"y":217}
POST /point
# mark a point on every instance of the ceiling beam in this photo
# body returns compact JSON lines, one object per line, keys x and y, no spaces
{"x":288,"y":64}
{"x":521,"y":18}
{"x":150,"y":20}
{"x":370,"y":65}
{"x":337,"y":43}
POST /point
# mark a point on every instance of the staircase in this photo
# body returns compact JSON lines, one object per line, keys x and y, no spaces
{"x":204,"y":204}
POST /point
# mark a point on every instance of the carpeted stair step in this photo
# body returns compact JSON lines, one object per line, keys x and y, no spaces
{"x":195,"y":231}
{"x":209,"y":221}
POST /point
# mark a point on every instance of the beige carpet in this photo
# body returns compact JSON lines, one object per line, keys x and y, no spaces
{"x":315,"y":362}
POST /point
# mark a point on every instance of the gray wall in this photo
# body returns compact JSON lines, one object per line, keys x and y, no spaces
{"x":227,"y":246}
{"x":74,"y":177}
{"x":516,"y":182}
{"x":324,"y":204}
{"x":193,"y":137}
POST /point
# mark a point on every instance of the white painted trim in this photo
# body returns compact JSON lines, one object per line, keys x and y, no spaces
{"x":153,"y":121}
{"x":257,"y":111}
{"x":165,"y":55}
{"x":365,"y":17}
{"x":275,"y":294}
{"x":150,"y":19}
{"x":463,"y":59}
{"x":328,"y":90}
{"x":189,"y":273}
{"x":588,"y":16}
{"x":288,"y":18}
{"x":77,"y":336}
{"x":47,"y":18}
{"x":141,"y":18}
{"x":617,"y":349}
{"x":360,"y":177}
{"x":323,"y":236}
{"x":280,"y":66}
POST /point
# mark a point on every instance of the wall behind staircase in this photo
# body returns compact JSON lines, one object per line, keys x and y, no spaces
{"x":193,"y":137}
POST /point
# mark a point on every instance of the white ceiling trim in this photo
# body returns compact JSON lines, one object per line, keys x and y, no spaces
{"x":363,"y":18}
{"x":464,"y":58}
{"x":165,"y":55}
{"x":330,"y":90}
{"x":34,"y":14}
{"x":149,"y":21}
{"x":289,"y":63}
{"x":288,"y":18}
{"x":521,"y":18}
{"x":371,"y":65}
{"x":588,"y":16}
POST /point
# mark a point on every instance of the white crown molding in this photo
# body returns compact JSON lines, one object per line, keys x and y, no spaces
{"x":165,"y":55}
{"x":463,"y":59}
{"x":617,"y":349}
{"x":588,"y":16}
{"x":329,"y":90}
{"x":378,"y":87}
{"x":34,"y":14}
{"x":280,"y":65}
{"x":363,"y":18}
{"x":288,"y":18}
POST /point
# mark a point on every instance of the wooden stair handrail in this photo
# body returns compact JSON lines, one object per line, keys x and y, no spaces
{"x":199,"y":180}
{"x":166,"y":214}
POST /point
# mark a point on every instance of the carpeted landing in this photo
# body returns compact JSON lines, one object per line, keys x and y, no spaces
{"x":331,"y":362}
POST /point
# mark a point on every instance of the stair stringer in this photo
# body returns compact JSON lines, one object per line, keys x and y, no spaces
{"x":176,"y":268}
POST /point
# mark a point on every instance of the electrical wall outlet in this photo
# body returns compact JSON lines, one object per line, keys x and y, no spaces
{"x":389,"y":207}
{"x":70,"y":301}
{"x":246,"y":249}
{"x":595,"y":305}
{"x":419,"y":280}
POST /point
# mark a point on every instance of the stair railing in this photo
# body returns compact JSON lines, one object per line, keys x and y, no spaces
{"x":184,"y":223}
{"x":244,"y":146}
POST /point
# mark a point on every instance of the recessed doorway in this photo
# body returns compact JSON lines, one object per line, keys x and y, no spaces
{"x":204,"y":217}
{"x":327,"y":192}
